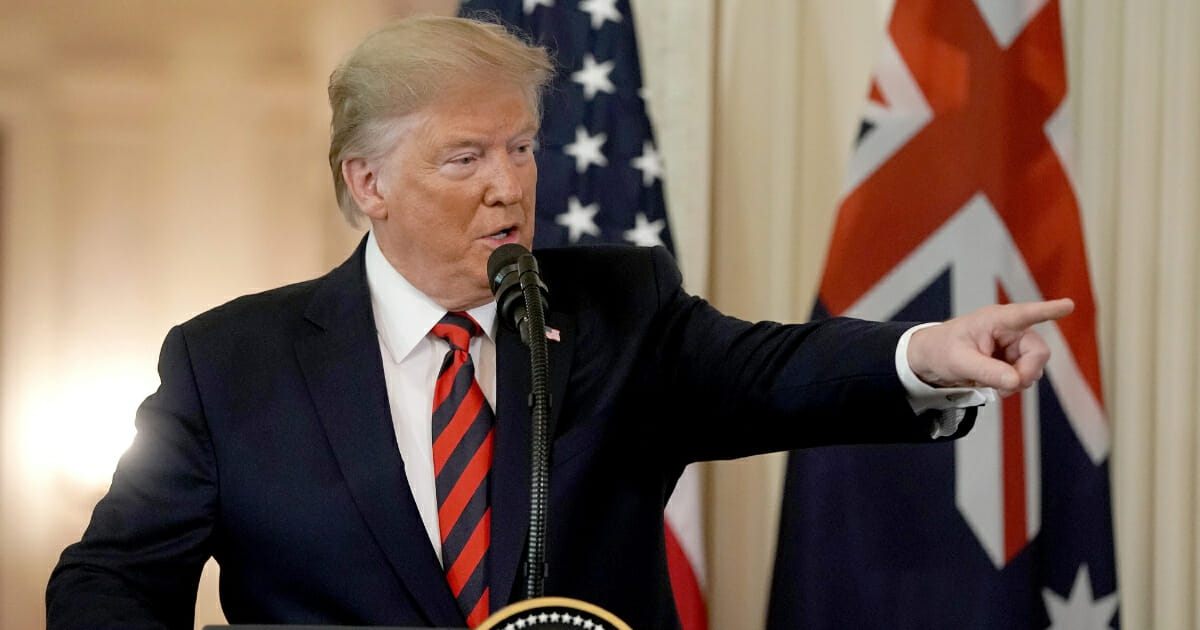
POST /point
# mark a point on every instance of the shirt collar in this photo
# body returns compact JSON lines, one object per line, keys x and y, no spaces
{"x":403,"y":314}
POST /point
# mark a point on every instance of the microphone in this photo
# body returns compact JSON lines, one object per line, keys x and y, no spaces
{"x":512,"y":271}
{"x":521,"y":302}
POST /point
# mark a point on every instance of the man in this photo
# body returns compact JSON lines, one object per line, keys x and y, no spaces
{"x":299,"y":436}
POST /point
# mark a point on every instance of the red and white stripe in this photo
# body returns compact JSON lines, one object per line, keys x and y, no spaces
{"x":684,"y":529}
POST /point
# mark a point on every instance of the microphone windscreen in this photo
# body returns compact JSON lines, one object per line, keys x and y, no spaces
{"x":504,"y":256}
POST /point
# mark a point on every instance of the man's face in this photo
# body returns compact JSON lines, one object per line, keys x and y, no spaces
{"x":460,"y":182}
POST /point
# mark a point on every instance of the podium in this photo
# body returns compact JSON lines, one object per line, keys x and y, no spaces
{"x":539,"y":613}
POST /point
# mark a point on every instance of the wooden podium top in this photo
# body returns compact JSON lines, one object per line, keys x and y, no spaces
{"x":319,"y":627}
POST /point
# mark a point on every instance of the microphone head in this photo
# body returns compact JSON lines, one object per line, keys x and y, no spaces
{"x":506,"y":255}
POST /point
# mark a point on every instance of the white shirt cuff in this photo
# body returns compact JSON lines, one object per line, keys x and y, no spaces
{"x":922,"y":397}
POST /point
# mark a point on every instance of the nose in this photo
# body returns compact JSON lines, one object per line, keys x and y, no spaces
{"x":504,"y":183}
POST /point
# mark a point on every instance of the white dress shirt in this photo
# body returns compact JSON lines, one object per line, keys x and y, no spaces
{"x":412,"y":357}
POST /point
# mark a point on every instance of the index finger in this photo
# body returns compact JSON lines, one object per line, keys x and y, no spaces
{"x":1022,"y":315}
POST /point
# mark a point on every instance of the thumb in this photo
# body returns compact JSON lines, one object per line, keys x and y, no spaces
{"x":980,"y":370}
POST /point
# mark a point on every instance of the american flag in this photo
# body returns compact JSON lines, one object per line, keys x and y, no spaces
{"x":599,"y":171}
{"x":600,"y":179}
{"x":958,"y":196}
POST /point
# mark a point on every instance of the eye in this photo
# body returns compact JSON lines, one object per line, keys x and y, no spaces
{"x":460,"y":165}
{"x":523,"y":152}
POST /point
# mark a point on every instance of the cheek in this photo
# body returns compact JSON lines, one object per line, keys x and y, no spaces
{"x":531,"y":180}
{"x":529,"y":196}
{"x":446,"y":218}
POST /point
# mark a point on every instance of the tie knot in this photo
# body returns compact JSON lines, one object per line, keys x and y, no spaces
{"x":457,"y":329}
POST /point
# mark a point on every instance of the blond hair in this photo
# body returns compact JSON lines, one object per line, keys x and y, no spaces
{"x":405,"y":66}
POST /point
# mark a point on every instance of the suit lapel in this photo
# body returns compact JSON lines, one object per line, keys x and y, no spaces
{"x":510,"y":470}
{"x":344,"y":371}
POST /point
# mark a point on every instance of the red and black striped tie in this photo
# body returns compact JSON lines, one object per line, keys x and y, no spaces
{"x":462,"y":463}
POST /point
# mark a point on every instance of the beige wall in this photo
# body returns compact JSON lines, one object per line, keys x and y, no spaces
{"x":163,"y":157}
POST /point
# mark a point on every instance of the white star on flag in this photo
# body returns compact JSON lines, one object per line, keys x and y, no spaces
{"x":594,"y":77}
{"x":530,"y":5}
{"x":648,"y":163}
{"x":579,"y":219}
{"x":1081,"y":610}
{"x":601,"y":10}
{"x":586,"y":149}
{"x":645,"y":233}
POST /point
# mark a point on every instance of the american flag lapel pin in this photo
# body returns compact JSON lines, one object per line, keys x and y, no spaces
{"x":553,"y":334}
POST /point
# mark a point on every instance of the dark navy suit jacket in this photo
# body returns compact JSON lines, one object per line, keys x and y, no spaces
{"x":269,"y":446}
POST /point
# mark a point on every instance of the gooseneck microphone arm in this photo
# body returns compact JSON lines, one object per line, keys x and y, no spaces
{"x":521,"y":302}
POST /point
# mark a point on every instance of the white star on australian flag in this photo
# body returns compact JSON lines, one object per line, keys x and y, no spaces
{"x":1081,"y":608}
{"x":600,"y":176}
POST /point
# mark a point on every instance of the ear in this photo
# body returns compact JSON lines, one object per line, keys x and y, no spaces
{"x":363,"y":184}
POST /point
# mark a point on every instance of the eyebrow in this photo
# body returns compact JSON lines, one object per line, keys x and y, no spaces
{"x":463,"y":144}
{"x":477,"y":142}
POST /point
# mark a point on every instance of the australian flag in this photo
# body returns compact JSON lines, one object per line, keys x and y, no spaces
{"x":959,"y":196}
{"x":600,"y":180}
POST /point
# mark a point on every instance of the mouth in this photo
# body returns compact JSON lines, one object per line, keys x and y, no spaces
{"x":506,"y":235}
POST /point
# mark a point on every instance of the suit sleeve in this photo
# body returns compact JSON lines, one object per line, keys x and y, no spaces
{"x":741,"y":388}
{"x":139,"y":562}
